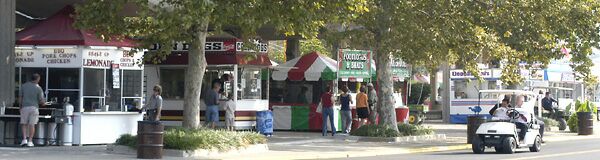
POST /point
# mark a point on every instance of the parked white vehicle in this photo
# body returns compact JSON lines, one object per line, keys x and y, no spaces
{"x":503,"y":134}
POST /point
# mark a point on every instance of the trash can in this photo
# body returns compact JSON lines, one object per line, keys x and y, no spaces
{"x":150,"y":140}
{"x":585,"y":124}
{"x":402,"y":114}
{"x":264,"y":122}
{"x":473,"y":122}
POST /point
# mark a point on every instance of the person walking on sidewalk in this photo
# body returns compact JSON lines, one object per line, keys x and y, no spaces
{"x":372,"y":100}
{"x":230,"y":113}
{"x":345,"y":100}
{"x":31,"y":97}
{"x":211,"y":99}
{"x":327,"y":111}
{"x":362,"y":110}
{"x":154,"y":106}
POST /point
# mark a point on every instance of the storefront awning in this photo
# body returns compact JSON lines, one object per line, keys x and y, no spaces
{"x":58,"y":30}
{"x":310,"y":67}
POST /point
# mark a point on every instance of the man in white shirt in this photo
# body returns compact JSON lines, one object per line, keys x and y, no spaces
{"x":500,"y":110}
{"x":523,"y":119}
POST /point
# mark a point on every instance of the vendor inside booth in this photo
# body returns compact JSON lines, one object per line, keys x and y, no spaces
{"x":89,"y":84}
{"x":241,"y":73}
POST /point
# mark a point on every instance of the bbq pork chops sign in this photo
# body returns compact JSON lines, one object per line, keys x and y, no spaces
{"x":354,"y":63}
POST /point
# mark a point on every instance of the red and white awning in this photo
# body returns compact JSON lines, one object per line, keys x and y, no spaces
{"x":310,"y":67}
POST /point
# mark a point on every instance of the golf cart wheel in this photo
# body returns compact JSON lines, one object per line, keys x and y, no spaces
{"x":509,"y":144}
{"x":537,"y":145}
{"x":477,"y":145}
{"x":562,"y":124}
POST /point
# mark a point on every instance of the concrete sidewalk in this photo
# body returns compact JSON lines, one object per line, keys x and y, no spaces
{"x":298,"y":145}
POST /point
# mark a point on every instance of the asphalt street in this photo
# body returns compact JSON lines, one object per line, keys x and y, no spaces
{"x":576,"y":149}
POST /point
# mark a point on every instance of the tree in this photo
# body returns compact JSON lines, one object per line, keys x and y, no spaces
{"x":166,"y":21}
{"x":465,"y":32}
{"x":277,"y":53}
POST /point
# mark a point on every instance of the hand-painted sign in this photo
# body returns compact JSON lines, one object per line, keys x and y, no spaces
{"x":59,"y":57}
{"x":354,"y":63}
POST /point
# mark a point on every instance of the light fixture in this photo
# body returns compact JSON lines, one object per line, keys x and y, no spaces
{"x":57,"y":47}
{"x":24,"y":47}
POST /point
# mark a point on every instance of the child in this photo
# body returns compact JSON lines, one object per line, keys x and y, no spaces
{"x":230,"y":113}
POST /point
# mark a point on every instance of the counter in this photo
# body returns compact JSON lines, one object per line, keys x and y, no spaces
{"x":103,"y":127}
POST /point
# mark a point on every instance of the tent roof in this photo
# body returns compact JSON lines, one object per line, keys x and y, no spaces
{"x":310,"y":67}
{"x":58,"y":30}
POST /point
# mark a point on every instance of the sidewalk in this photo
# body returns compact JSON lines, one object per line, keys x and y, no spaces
{"x":299,"y":145}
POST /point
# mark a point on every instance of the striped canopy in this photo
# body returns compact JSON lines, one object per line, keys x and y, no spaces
{"x":310,"y":67}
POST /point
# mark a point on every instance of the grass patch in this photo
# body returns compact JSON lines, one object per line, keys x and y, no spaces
{"x":382,"y":131}
{"x":192,"y":139}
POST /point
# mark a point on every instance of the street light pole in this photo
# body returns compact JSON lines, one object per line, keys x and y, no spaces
{"x":7,"y":50}
{"x":446,"y":92}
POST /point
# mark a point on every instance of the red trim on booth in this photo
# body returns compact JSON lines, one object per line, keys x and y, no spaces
{"x":297,"y":73}
{"x":58,"y":30}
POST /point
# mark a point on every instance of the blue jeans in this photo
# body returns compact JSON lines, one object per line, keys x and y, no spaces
{"x":328,"y":112}
{"x":212,"y":114}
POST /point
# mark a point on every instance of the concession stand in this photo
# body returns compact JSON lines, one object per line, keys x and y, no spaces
{"x":296,"y":89}
{"x":247,"y":83}
{"x":101,"y":79}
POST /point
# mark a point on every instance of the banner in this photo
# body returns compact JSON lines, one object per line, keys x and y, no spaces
{"x":354,"y":63}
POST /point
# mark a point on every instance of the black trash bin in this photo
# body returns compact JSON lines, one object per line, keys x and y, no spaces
{"x":150,"y":140}
{"x":585,"y":124}
{"x":473,"y":122}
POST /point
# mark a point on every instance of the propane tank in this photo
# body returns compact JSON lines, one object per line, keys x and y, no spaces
{"x":67,"y":136}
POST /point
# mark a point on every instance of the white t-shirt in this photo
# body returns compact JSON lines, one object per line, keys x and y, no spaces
{"x":525,"y":114}
{"x":230,"y":109}
{"x":501,"y":113}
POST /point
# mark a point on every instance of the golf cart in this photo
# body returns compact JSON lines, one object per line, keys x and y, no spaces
{"x":503,"y":134}
{"x":564,"y":96}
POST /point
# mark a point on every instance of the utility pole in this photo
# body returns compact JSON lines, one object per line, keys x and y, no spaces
{"x":446,"y":93}
{"x":7,"y":50}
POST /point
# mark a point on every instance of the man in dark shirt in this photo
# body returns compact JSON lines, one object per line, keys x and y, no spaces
{"x":547,"y":103}
{"x":211,"y":114}
{"x":221,"y":81}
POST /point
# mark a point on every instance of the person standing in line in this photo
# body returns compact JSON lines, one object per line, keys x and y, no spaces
{"x":362,"y":108}
{"x":211,"y":99}
{"x":31,"y":97}
{"x":230,"y":113}
{"x":327,"y":111}
{"x":345,"y":100}
{"x":372,"y":100}
{"x":154,"y":106}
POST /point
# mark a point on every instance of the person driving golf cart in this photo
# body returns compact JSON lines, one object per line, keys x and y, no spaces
{"x":522,"y":119}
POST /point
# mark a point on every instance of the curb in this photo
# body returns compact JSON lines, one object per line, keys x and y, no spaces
{"x":199,"y":153}
{"x":435,"y":137}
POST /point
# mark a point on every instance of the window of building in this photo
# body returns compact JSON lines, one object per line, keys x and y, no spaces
{"x":250,"y":84}
{"x":62,"y":83}
{"x":173,"y":83}
{"x":93,"y":89}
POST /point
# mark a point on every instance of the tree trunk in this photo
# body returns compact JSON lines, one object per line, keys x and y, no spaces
{"x":446,"y":92}
{"x":433,"y":88}
{"x":7,"y":50}
{"x":385,"y":88}
{"x":292,"y":47}
{"x":193,"y":79}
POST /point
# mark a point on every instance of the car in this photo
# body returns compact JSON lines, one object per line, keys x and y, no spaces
{"x":503,"y":134}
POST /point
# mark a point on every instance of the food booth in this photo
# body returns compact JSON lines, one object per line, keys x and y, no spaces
{"x":225,"y":55}
{"x":100,"y":79}
{"x":301,"y":78}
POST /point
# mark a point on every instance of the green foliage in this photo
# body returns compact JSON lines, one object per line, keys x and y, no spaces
{"x":572,"y":122}
{"x":550,"y":122}
{"x":585,"y":106}
{"x":414,"y":130}
{"x":423,"y":89}
{"x":191,"y":139}
{"x":277,"y":49}
{"x":382,"y":131}
{"x":127,"y":140}
{"x":371,"y":130}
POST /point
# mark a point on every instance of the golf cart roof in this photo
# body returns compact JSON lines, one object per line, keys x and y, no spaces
{"x":507,"y":91}
{"x":559,"y":88}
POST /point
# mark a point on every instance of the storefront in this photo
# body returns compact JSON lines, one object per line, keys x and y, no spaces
{"x":103,"y":80}
{"x":464,"y":92}
{"x":248,"y":83}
